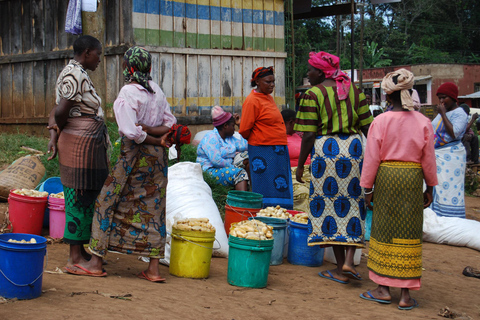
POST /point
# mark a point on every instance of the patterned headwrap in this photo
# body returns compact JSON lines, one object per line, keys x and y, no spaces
{"x":404,"y":84}
{"x":330,"y":66}
{"x":260,"y":73}
{"x":138,"y":65}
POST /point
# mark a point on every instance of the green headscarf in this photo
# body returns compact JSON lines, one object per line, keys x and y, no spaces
{"x":138,"y":65}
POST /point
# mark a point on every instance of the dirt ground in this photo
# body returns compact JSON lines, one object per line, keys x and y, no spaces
{"x":293,"y":292}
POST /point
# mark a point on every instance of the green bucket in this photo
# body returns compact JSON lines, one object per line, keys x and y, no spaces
{"x":248,"y":262}
{"x":245,"y":199}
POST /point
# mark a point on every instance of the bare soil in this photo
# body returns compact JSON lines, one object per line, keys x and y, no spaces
{"x":293,"y":292}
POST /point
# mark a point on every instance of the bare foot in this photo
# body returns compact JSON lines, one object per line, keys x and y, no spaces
{"x":351,"y":272}
{"x":409,"y":304}
{"x":150,"y":277}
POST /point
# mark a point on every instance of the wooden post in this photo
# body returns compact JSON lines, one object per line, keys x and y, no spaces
{"x":93,"y":24}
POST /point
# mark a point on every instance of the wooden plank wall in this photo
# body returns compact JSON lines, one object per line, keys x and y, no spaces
{"x":208,"y":49}
{"x":34,"y":48}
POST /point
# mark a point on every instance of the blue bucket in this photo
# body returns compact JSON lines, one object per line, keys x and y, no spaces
{"x":279,"y":229}
{"x":21,"y":266}
{"x":51,"y":185}
{"x":299,"y":252}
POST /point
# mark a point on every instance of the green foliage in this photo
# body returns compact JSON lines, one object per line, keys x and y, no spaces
{"x":374,"y":57}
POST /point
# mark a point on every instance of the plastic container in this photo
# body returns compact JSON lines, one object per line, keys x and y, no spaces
{"x":279,"y":231}
{"x":299,"y":252}
{"x":51,"y":185}
{"x":21,"y":266}
{"x":245,"y":199}
{"x":26,"y":213}
{"x":236,"y":214}
{"x":191,"y":253}
{"x":56,"y":207}
{"x":248,"y":262}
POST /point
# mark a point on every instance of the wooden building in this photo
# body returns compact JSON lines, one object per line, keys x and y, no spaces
{"x":204,"y":52}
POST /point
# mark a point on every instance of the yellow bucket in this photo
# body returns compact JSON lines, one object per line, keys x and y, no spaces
{"x":191,"y":253}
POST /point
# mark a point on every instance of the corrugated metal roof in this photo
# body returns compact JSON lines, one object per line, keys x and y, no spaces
{"x":475,"y":95}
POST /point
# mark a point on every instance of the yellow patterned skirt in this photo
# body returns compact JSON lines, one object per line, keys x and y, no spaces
{"x":396,"y":238}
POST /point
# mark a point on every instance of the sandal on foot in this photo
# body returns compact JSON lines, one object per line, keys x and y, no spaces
{"x":372,"y":298}
{"x":414,"y":305}
{"x":352,"y":275}
{"x":81,"y":271}
{"x":143,"y":275}
{"x":331,"y":277}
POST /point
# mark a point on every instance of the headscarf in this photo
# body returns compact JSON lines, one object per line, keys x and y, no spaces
{"x":450,"y":89}
{"x":404,"y":84}
{"x":138,"y":65}
{"x":260,"y":73}
{"x":330,"y":66}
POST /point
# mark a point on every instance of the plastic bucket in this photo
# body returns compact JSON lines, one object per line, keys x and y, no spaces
{"x":299,"y":252}
{"x":26,"y":213}
{"x":245,"y":199}
{"x":236,"y":214}
{"x":51,"y":185}
{"x":191,"y":253}
{"x":56,"y":217}
{"x":21,"y":266}
{"x":248,"y":262}
{"x":279,"y":231}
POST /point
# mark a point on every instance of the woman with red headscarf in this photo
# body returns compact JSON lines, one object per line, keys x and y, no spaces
{"x":332,"y":113}
{"x":449,"y":127}
{"x":263,"y":127}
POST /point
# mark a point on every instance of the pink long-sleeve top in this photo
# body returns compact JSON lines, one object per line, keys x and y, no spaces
{"x":135,"y":105}
{"x":400,"y":136}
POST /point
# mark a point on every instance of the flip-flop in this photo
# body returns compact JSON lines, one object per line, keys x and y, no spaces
{"x":352,"y":275}
{"x":414,"y":305}
{"x":372,"y":298}
{"x":331,"y":277}
{"x":143,"y":275}
{"x":81,"y":271}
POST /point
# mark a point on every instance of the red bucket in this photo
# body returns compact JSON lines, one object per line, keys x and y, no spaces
{"x":26,"y":213}
{"x":237,"y":214}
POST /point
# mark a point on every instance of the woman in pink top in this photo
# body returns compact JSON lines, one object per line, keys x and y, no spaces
{"x":130,"y":211}
{"x":398,"y":165}
{"x":301,"y":191}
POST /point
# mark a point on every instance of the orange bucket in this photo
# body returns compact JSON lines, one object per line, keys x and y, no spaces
{"x":237,"y":214}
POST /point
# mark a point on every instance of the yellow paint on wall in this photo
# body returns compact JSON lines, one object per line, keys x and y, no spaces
{"x":191,"y":1}
{"x":257,"y":5}
{"x":215,"y":3}
{"x":237,"y":4}
{"x":280,"y":101}
{"x":204,"y":101}
{"x":204,"y":2}
{"x":210,"y":101}
{"x":247,"y":4}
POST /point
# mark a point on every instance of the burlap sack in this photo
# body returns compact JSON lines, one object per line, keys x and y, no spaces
{"x":26,"y":173}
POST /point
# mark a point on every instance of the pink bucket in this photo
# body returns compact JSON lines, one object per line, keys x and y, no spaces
{"x":56,"y":207}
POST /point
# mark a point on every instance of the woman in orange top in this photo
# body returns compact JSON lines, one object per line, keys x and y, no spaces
{"x":262,"y":125}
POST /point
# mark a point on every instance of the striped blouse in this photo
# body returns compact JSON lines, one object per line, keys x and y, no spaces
{"x":322,"y":112}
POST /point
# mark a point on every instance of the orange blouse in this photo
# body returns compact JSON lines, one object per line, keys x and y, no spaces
{"x":262,"y":123}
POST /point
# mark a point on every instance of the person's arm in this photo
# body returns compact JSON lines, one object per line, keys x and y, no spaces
{"x":308,"y":140}
{"x":53,"y":130}
{"x":155,"y":131}
{"x":472,"y":121}
{"x":448,"y":125}
{"x":248,"y":119}
{"x":62,"y":111}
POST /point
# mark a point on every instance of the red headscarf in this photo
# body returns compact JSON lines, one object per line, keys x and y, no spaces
{"x":330,"y":66}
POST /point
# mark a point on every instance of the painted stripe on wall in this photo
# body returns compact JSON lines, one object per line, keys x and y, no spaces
{"x":150,"y":37}
{"x":205,"y":12}
{"x":206,"y":102}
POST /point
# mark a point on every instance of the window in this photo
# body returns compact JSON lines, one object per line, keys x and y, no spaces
{"x":476,"y":87}
{"x":422,"y":92}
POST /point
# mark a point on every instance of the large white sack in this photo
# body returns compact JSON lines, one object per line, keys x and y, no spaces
{"x":330,"y":256}
{"x":189,"y":196}
{"x":452,"y":231}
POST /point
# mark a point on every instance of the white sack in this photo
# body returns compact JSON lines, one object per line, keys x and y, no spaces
{"x":452,"y":231}
{"x":189,"y":196}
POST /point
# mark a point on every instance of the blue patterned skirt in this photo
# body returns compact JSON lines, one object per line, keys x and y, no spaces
{"x":337,"y":203}
{"x":270,"y":175}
